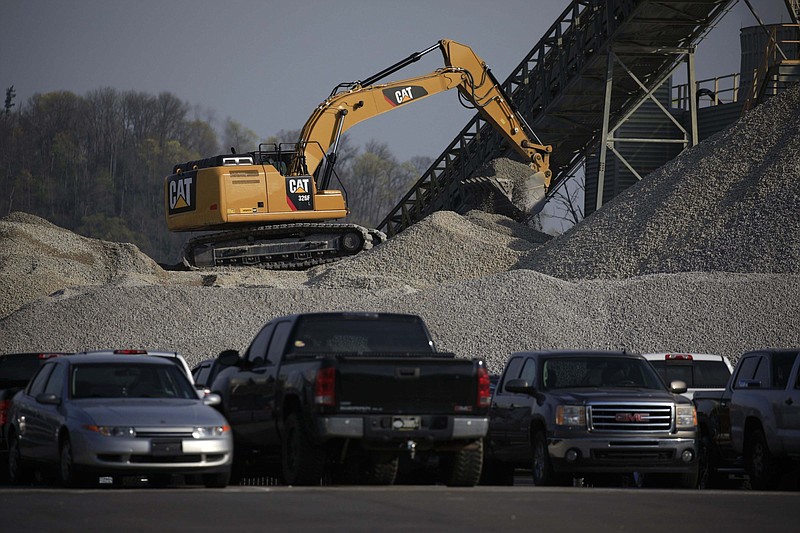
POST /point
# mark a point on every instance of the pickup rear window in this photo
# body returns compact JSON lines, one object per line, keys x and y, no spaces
{"x":333,"y":334}
{"x":696,"y":374}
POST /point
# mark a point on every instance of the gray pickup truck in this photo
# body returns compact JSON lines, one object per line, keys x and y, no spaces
{"x":754,"y":423}
{"x":584,"y":414}
{"x":345,"y":396}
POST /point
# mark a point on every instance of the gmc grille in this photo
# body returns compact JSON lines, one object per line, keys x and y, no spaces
{"x":632,"y":417}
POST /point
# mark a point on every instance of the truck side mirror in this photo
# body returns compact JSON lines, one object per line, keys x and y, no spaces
{"x":677,"y":386}
{"x":48,"y":398}
{"x":518,"y":386}
{"x":229,"y":357}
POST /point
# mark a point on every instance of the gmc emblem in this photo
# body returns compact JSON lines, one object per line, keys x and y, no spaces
{"x":631,"y":417}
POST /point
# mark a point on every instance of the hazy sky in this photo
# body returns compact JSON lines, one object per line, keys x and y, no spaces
{"x":267,"y":63}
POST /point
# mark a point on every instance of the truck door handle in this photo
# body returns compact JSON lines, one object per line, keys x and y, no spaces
{"x":789,"y":401}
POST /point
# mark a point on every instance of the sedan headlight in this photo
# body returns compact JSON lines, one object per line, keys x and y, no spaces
{"x":685,"y":417}
{"x":205,"y":432}
{"x":113,"y":431}
{"x":571,"y":415}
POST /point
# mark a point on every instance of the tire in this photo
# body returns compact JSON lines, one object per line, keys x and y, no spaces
{"x":380,"y":469}
{"x":708,"y":462}
{"x":542,"y":467}
{"x":463,"y":468}
{"x":69,"y":474}
{"x":19,"y":471}
{"x":762,"y":468}
{"x":219,"y":480}
{"x":302,"y":461}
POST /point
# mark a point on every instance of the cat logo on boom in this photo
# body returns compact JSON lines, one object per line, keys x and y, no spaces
{"x":181,"y":192}
{"x":401,"y":95}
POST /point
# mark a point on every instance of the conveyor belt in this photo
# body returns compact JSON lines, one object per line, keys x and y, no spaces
{"x":559,"y":88}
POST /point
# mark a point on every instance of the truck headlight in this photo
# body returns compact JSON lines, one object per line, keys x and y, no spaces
{"x":685,"y":417}
{"x":571,"y":415}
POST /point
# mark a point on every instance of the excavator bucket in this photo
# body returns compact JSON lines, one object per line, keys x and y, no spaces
{"x":529,"y":195}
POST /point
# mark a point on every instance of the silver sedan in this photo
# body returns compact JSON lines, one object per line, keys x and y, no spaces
{"x":92,"y":415}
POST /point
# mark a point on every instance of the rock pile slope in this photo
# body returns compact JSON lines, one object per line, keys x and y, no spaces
{"x":702,"y":255}
{"x":729,"y":204}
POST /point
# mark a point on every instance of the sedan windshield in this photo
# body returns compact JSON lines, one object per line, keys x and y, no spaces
{"x":129,"y":380}
{"x":604,"y":372}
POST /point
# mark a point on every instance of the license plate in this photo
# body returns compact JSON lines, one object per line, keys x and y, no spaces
{"x":404,"y":423}
{"x":166,"y":447}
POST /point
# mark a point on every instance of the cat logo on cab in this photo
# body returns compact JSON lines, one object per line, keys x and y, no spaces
{"x":181,"y":192}
{"x":298,"y":193}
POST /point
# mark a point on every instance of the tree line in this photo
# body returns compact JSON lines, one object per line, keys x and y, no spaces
{"x":95,"y":164}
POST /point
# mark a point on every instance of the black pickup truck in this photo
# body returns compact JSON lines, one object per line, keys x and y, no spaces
{"x":343,"y":396}
{"x":579,"y":414}
{"x":753,"y":425}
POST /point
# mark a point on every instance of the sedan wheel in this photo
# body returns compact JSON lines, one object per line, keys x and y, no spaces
{"x":69,"y":473}
{"x":18,"y":470}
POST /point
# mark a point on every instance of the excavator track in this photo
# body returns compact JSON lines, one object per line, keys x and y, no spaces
{"x":280,"y":246}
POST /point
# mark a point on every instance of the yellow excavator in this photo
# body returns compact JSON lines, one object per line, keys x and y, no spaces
{"x":274,"y":205}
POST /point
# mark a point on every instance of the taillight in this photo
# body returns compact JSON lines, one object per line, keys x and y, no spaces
{"x":325,"y":387}
{"x":131,"y":352}
{"x":678,"y":356}
{"x":484,"y":390}
{"x":4,"y":406}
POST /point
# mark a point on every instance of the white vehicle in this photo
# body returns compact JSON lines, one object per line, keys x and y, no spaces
{"x":700,"y":371}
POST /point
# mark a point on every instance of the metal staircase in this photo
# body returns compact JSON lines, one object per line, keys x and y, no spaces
{"x":599,"y":60}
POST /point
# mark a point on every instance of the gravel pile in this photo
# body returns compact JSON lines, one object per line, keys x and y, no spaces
{"x":700,"y":256}
{"x":729,"y":204}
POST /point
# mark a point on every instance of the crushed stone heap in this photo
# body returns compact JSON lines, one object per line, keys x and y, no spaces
{"x":729,"y":204}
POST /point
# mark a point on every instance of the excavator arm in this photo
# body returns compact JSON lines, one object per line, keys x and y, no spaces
{"x":352,"y":103}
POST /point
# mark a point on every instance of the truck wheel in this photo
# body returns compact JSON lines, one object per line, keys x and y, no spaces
{"x":708,"y":477}
{"x":761,"y":465}
{"x":380,"y":469}
{"x":463,"y":468}
{"x":19,"y":472}
{"x":543,"y":474}
{"x":303,"y":462}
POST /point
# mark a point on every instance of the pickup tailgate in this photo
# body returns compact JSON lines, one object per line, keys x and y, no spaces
{"x":414,"y":385}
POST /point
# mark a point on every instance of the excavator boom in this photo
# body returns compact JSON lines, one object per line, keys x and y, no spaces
{"x":464,"y":70}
